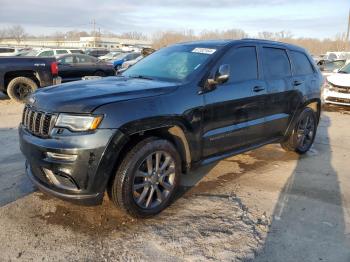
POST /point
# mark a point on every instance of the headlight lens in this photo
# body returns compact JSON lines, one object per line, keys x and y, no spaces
{"x":78,"y":123}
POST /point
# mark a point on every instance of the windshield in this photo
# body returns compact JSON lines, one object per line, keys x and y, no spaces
{"x":112,"y":54}
{"x":120,"y":56}
{"x":174,"y":63}
{"x":345,"y":69}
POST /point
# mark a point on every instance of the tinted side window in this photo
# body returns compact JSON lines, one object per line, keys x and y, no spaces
{"x":86,"y":59}
{"x":66,"y":60}
{"x":243,"y":63}
{"x":60,"y":52}
{"x":276,"y":63}
{"x":46,"y":53}
{"x":301,"y":63}
{"x":7,"y":50}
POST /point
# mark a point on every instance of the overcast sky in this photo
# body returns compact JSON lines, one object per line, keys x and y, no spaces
{"x":304,"y":18}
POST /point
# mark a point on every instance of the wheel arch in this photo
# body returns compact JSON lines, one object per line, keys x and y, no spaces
{"x":314,"y":104}
{"x":171,"y":132}
{"x":22,"y":73}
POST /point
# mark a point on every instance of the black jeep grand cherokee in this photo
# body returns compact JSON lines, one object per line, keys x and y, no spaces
{"x":185,"y":105}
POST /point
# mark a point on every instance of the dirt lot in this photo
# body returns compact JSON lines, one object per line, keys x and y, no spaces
{"x":264,"y":205}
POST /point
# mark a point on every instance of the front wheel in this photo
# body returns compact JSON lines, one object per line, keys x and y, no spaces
{"x":100,"y":73}
{"x":147,"y":178}
{"x":303,"y":134}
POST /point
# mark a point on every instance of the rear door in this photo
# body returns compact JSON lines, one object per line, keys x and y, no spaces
{"x":278,"y":76}
{"x":86,"y":65}
{"x":66,"y":68}
{"x":305,"y":76}
{"x":234,"y":111}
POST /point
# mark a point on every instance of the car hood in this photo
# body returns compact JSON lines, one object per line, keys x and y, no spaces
{"x":339,"y":79}
{"x":85,"y":96}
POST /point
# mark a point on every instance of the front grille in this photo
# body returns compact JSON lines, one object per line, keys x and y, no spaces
{"x":340,"y":89}
{"x":37,"y":122}
{"x":339,"y":100}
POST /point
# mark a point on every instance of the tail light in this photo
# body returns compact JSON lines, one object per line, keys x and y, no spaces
{"x":54,"y":68}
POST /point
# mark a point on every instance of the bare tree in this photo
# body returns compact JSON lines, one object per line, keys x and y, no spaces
{"x":58,"y":37}
{"x":133,"y":35}
{"x":3,"y":34}
{"x":16,"y":32}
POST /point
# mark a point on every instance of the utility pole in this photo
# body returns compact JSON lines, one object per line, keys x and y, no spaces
{"x":347,"y":44}
{"x":94,"y":31}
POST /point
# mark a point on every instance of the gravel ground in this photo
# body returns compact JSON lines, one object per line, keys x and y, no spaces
{"x":264,"y":205}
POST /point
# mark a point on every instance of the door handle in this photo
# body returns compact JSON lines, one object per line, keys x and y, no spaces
{"x":297,"y":83}
{"x":258,"y":88}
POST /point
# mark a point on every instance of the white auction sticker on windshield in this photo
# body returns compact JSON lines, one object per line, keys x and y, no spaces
{"x":208,"y":51}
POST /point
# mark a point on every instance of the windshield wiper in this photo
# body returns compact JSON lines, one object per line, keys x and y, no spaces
{"x":141,"y":77}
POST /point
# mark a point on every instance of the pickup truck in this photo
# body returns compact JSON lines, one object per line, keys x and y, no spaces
{"x":21,"y":76}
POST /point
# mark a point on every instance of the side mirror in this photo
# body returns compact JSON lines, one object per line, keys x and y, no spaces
{"x":221,"y":76}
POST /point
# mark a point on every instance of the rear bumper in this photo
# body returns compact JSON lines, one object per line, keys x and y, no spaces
{"x":57,"y":80}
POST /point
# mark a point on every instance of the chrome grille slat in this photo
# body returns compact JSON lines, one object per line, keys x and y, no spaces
{"x":35,"y":115}
{"x":41,"y":123}
{"x":37,"y":122}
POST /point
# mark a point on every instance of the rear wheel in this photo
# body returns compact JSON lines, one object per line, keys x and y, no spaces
{"x":100,"y":73}
{"x":303,"y":134}
{"x":20,"y":88}
{"x":147,"y":178}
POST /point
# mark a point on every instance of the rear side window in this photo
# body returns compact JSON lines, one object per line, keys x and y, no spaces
{"x":276,"y":63}
{"x":302,"y":65}
{"x":76,"y":51}
{"x":86,"y":59}
{"x":7,"y":50}
{"x":60,"y":52}
{"x":46,"y":53}
{"x":243,"y":64}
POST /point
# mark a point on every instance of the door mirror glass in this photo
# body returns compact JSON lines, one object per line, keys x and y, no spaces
{"x":223,"y":74}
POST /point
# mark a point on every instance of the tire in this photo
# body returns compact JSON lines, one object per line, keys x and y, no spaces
{"x":20,"y":88}
{"x":148,"y":193}
{"x":100,"y":73}
{"x":303,"y":134}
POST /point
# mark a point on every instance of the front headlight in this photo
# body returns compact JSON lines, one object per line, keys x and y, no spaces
{"x":78,"y":123}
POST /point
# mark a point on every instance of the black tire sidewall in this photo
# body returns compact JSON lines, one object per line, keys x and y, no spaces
{"x":100,"y":73}
{"x":11,"y":88}
{"x":123,"y":184}
{"x":304,"y":113}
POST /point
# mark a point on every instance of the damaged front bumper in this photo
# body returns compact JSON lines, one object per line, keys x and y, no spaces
{"x":74,"y":168}
{"x":338,"y":98}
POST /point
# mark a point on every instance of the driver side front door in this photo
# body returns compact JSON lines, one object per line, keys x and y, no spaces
{"x":234,"y":111}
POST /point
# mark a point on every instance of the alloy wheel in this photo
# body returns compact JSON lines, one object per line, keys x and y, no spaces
{"x":305,"y":132}
{"x":154,"y":180}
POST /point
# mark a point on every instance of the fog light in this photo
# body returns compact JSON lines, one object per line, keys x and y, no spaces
{"x":60,"y":179}
{"x":64,"y":157}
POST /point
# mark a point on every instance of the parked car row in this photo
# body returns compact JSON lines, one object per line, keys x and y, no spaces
{"x":73,"y":67}
{"x":21,"y":76}
{"x":336,"y":89}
